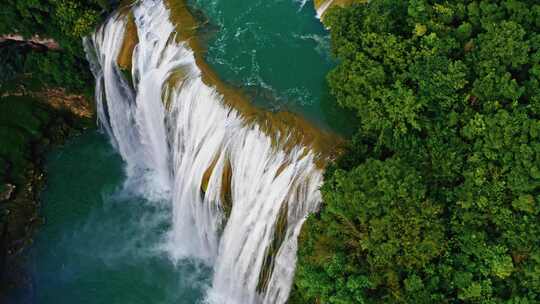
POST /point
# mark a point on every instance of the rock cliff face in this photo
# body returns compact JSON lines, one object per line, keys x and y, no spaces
{"x":34,"y":41}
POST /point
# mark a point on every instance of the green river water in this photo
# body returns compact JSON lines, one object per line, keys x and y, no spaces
{"x":277,"y":52}
{"x":100,"y":243}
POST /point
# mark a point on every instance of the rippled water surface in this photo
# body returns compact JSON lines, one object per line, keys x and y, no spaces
{"x":277,"y":51}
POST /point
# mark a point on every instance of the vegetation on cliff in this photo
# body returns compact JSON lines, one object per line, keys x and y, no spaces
{"x":438,"y":198}
{"x":64,"y":21}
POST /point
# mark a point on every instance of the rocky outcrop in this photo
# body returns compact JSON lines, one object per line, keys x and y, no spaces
{"x":60,"y":99}
{"x":6,"y":191}
{"x":34,"y":41}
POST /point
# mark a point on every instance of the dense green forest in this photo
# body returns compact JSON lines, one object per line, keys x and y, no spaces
{"x":438,"y":197}
{"x":65,"y":21}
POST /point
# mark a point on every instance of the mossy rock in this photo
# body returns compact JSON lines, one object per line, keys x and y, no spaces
{"x":22,"y":120}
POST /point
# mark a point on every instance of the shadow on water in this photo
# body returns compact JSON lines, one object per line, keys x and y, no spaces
{"x":101,"y":244}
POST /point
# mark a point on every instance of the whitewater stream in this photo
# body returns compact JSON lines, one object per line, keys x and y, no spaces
{"x":202,"y":196}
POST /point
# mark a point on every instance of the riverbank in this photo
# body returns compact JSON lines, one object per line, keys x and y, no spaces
{"x":45,"y":92}
{"x":31,"y":122}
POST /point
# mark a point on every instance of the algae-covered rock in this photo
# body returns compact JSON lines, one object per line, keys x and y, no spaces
{"x":125,"y":56}
{"x":6,"y":191}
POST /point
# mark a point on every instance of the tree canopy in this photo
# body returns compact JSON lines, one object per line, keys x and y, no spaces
{"x":65,"y":21}
{"x":438,"y":198}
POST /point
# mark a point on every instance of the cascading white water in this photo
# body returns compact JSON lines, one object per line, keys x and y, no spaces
{"x":324,"y":6}
{"x":133,"y":120}
{"x":169,"y":149}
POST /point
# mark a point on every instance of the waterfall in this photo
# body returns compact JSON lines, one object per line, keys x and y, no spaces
{"x":323,"y":7}
{"x":239,"y":192}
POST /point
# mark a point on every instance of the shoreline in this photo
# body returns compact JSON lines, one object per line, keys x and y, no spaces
{"x":20,"y":200}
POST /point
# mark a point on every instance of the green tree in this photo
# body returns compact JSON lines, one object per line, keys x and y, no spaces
{"x":65,"y":21}
{"x":438,"y":198}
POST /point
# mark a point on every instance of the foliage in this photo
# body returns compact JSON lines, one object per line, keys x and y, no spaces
{"x":22,"y":120}
{"x":438,"y":198}
{"x":65,"y":21}
{"x":38,"y":68}
{"x":62,"y":20}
